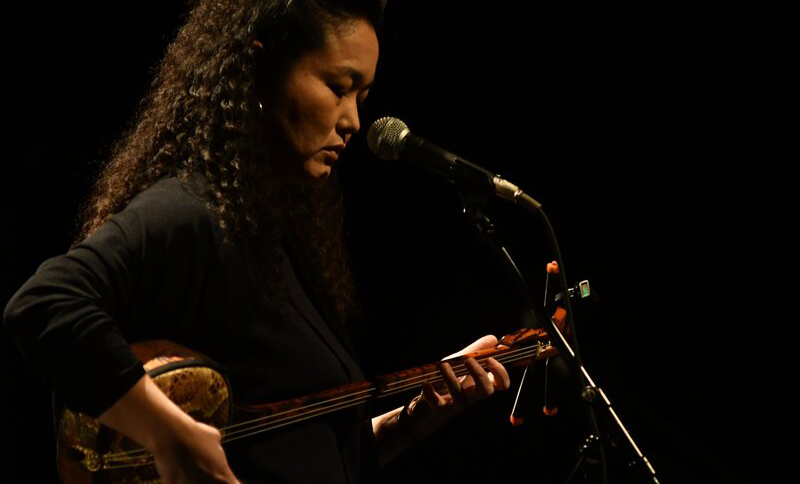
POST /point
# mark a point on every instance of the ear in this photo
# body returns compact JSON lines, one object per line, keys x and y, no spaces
{"x":259,"y":51}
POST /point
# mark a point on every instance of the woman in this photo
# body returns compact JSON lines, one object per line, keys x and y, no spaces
{"x":214,"y":225}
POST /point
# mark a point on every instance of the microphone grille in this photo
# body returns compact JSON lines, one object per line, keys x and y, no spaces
{"x":384,"y":137}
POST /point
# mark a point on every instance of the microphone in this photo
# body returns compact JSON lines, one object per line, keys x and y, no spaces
{"x":390,"y":139}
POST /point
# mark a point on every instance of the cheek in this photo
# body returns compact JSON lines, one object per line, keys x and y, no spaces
{"x":308,"y":123}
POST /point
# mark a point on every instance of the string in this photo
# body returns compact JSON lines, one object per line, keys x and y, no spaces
{"x":322,"y":402}
{"x":262,"y":427}
{"x":264,"y":424}
{"x":459,"y":370}
{"x":231,"y":432}
{"x":269,"y":422}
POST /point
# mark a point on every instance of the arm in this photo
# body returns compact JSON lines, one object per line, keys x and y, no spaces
{"x":71,"y":320}
{"x":399,"y":429}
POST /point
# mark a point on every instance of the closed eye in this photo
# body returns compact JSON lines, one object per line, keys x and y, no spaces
{"x":338,"y":91}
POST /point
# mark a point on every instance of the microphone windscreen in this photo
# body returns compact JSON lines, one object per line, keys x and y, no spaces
{"x":384,"y":137}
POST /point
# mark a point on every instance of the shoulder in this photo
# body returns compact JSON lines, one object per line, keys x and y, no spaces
{"x":171,"y":215}
{"x":171,"y":200}
{"x":170,"y":208}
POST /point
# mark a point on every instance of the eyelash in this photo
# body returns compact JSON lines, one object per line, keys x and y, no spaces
{"x":341,"y":92}
{"x":338,"y":91}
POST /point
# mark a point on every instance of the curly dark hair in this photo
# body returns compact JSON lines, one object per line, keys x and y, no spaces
{"x":202,"y":117}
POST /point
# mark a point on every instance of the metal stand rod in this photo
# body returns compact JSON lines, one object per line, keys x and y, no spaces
{"x":474,"y":210}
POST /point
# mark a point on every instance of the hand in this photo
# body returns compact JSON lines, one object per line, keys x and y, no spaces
{"x":185,"y":450}
{"x":461,"y":392}
{"x":193,"y":456}
{"x":402,"y":427}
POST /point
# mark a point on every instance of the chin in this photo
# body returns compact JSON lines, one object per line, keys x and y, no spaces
{"x":317,"y":170}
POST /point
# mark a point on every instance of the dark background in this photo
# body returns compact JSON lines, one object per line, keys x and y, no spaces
{"x":654,"y":135}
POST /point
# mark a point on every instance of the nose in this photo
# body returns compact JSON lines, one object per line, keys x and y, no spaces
{"x":348,"y":123}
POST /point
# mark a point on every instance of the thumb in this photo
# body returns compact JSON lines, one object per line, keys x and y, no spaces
{"x":482,"y":343}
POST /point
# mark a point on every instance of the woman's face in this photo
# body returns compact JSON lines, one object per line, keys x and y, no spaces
{"x":315,"y":111}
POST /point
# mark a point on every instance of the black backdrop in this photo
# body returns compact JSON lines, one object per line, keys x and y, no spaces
{"x":654,"y":135}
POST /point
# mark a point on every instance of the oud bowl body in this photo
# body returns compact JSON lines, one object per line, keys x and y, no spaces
{"x":89,"y":452}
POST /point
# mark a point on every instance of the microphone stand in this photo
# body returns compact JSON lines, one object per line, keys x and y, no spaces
{"x":475,"y":192}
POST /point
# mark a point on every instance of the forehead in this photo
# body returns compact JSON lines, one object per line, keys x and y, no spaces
{"x":351,"y":47}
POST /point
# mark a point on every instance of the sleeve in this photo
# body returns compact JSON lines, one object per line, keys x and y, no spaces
{"x":68,"y":318}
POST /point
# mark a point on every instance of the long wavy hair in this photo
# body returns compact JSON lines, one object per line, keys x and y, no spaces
{"x":201,"y":116}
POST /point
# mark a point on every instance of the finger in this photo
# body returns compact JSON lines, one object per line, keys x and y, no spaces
{"x":451,"y":380}
{"x":482,"y":343}
{"x":431,"y":396}
{"x":501,"y":380}
{"x":488,"y":341}
{"x":483,"y":384}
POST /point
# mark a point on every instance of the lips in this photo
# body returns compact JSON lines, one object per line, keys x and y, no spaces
{"x":332,"y":153}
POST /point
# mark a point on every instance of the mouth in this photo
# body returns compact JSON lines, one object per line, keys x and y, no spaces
{"x":332,"y":153}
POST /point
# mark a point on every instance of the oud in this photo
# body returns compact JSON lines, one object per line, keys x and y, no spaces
{"x":89,"y":452}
